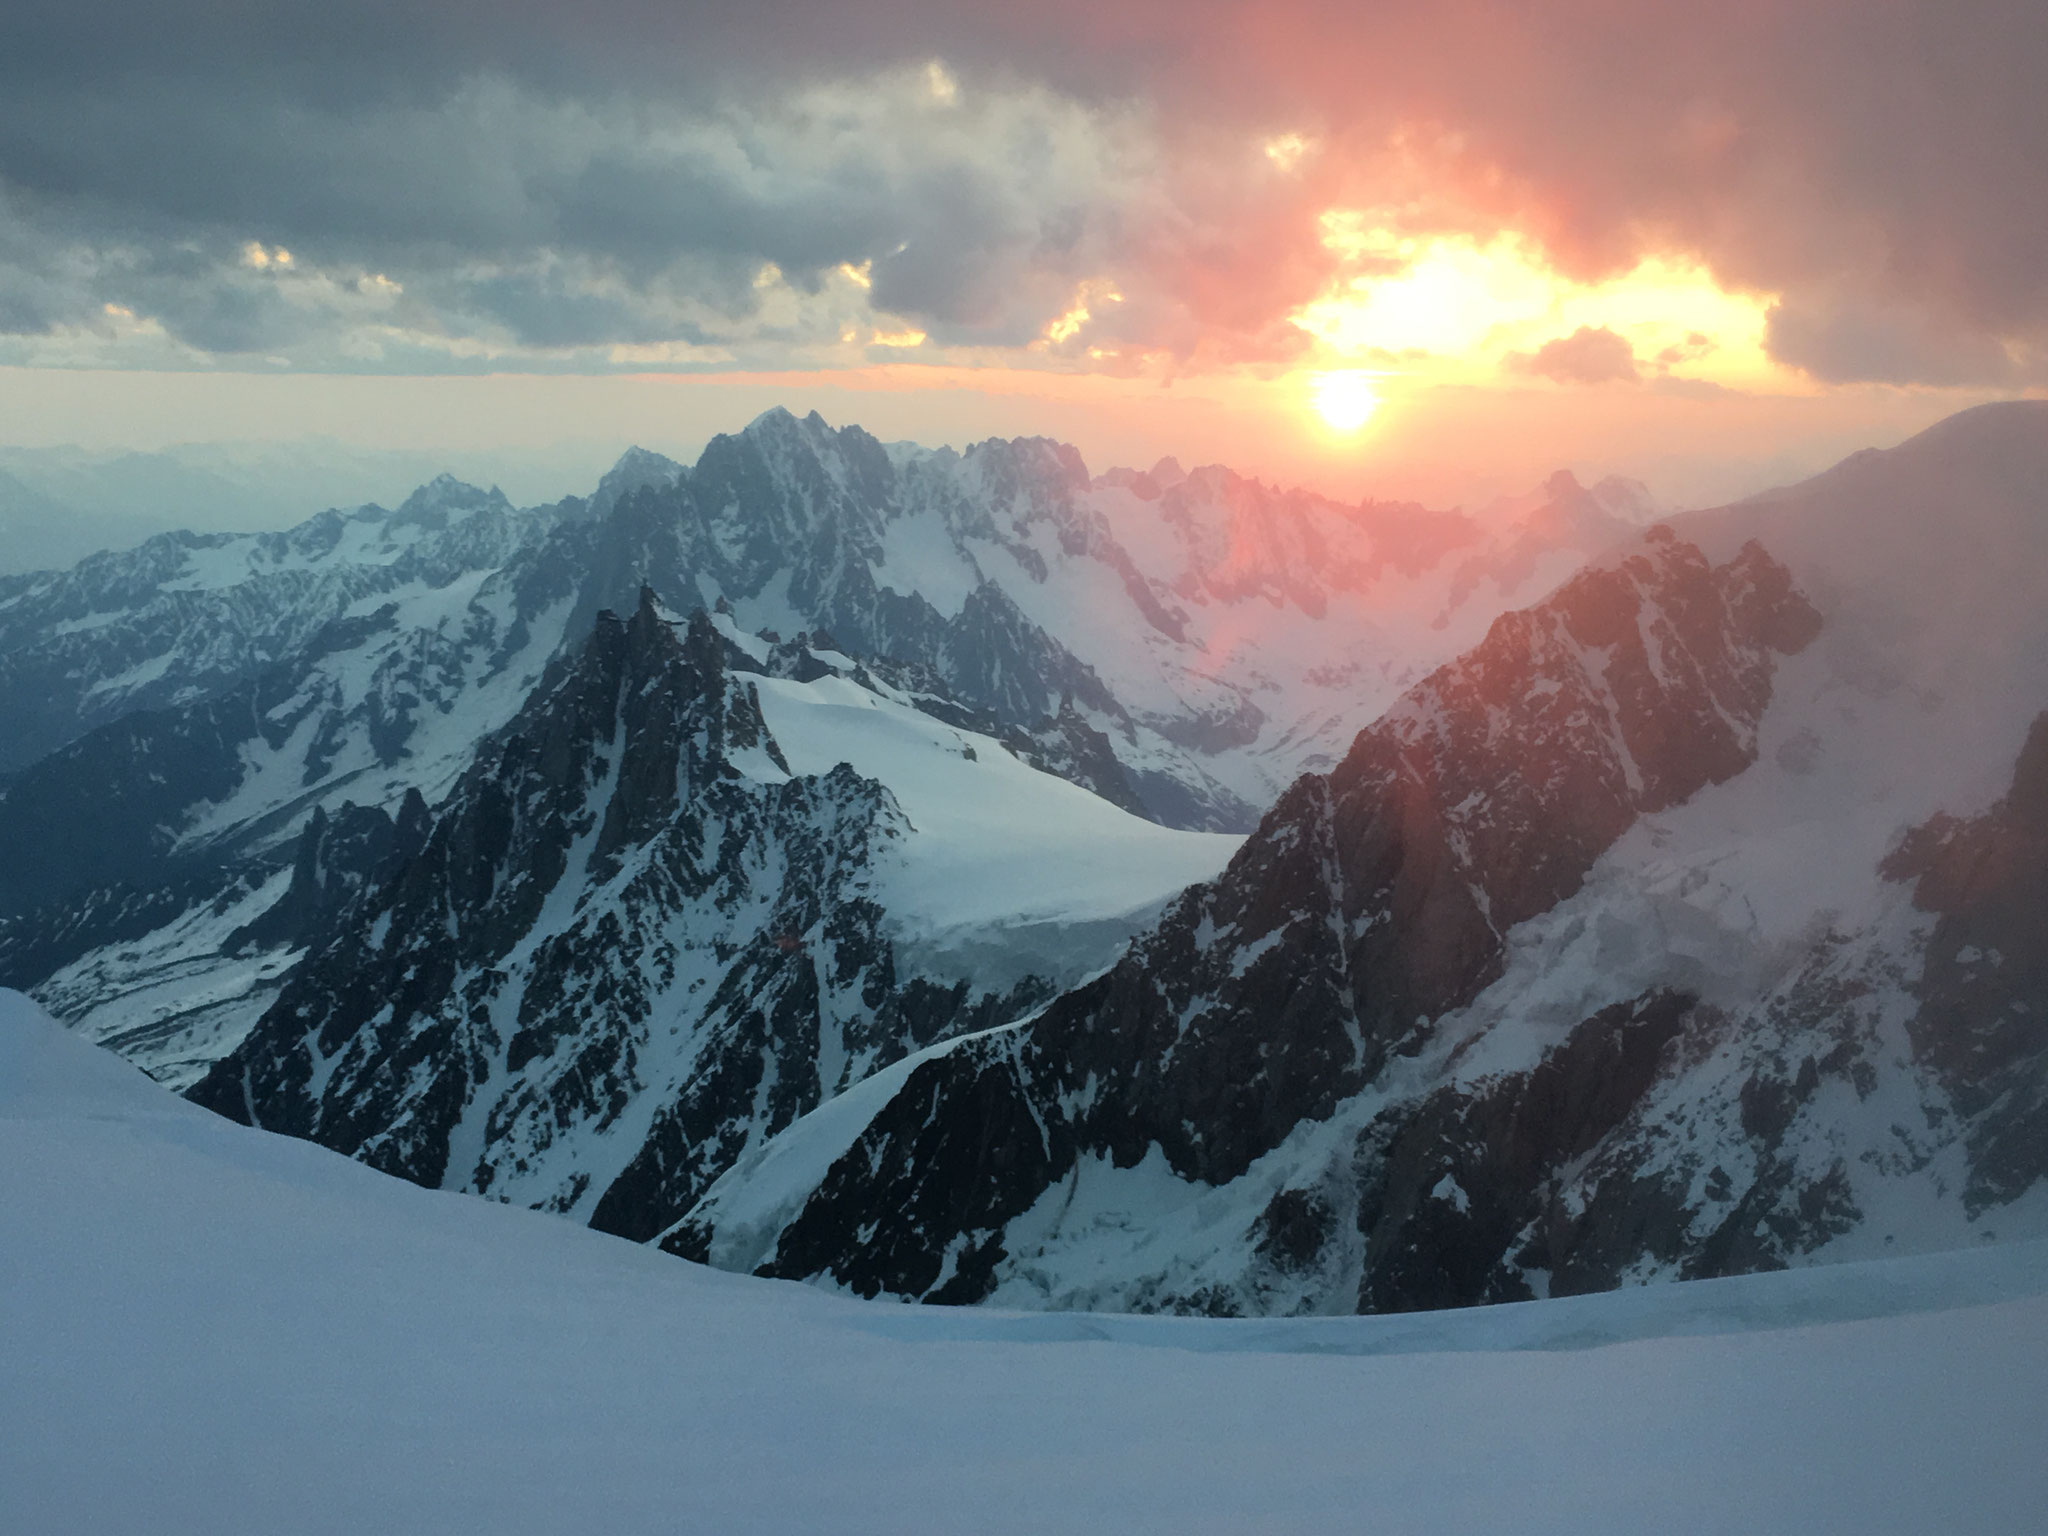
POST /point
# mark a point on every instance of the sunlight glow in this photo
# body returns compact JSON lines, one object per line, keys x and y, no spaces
{"x":1066,"y":327}
{"x":1452,"y":305}
{"x":1345,"y":400}
{"x":254,"y":255}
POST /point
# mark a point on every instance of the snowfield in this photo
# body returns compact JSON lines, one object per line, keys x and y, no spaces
{"x":993,"y":840}
{"x":210,"y":1329}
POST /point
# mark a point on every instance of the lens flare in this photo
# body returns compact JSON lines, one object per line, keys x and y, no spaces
{"x":1344,"y":400}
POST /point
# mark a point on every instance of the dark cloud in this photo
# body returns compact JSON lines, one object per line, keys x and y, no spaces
{"x":1590,"y":355}
{"x":622,"y":169}
{"x":1842,"y":341}
{"x":564,"y":222}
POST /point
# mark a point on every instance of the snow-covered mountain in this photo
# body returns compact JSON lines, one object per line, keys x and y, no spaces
{"x":1690,"y":925}
{"x":185,"y":616}
{"x":208,"y":1329}
{"x":1223,"y":635}
{"x":674,"y":905}
{"x":198,"y":701}
{"x":1684,"y":920}
{"x":1203,"y":613}
{"x":60,"y":504}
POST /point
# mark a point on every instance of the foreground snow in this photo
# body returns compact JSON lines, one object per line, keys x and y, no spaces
{"x":210,"y":1329}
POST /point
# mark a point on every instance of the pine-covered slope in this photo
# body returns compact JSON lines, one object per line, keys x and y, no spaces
{"x":641,"y":934}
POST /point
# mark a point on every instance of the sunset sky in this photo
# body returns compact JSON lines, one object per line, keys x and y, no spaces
{"x":1403,"y":249}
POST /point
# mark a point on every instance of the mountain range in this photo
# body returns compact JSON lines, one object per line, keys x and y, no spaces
{"x":959,"y":877}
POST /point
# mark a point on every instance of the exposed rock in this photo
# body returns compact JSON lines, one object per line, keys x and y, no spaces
{"x":1983,"y":1019}
{"x":1368,"y":904}
{"x":612,"y":962}
{"x":1454,"y":1209}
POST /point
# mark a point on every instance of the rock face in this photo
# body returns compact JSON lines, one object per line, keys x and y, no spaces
{"x":1370,"y":903}
{"x":1459,"y":1197}
{"x":340,"y":860}
{"x":611,"y":961}
{"x":1982,"y":1024}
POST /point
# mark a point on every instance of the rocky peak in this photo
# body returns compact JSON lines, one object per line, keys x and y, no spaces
{"x":1566,"y":511}
{"x":1628,"y":500}
{"x":786,"y":492}
{"x":338,"y":859}
{"x":614,"y":960}
{"x":676,"y":724}
{"x":643,"y":466}
{"x":445,"y":498}
{"x":1367,"y":905}
{"x":637,"y":469}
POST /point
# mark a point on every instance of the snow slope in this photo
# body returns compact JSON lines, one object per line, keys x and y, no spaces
{"x":994,"y":843}
{"x":209,"y":1329}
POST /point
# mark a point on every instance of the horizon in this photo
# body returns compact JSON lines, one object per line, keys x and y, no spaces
{"x":541,"y":474}
{"x":424,"y":416}
{"x":1711,"y":252}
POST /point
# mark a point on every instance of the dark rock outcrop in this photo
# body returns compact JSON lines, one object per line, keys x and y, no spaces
{"x":1983,"y":1018}
{"x":1460,"y":1198}
{"x":1369,"y":903}
{"x":339,"y":859}
{"x":610,"y":963}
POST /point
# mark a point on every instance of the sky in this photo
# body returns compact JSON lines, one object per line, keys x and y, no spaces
{"x":1381,"y":248}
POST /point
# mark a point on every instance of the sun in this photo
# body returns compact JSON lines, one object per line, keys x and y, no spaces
{"x":1344,"y":400}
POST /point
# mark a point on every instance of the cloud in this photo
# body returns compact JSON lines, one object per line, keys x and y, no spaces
{"x":1590,"y":355}
{"x":1696,"y":345}
{"x":620,"y":173}
{"x":513,"y":219}
{"x":1839,"y":340}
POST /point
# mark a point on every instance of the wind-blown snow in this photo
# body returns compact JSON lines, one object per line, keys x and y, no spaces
{"x":209,"y":1329}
